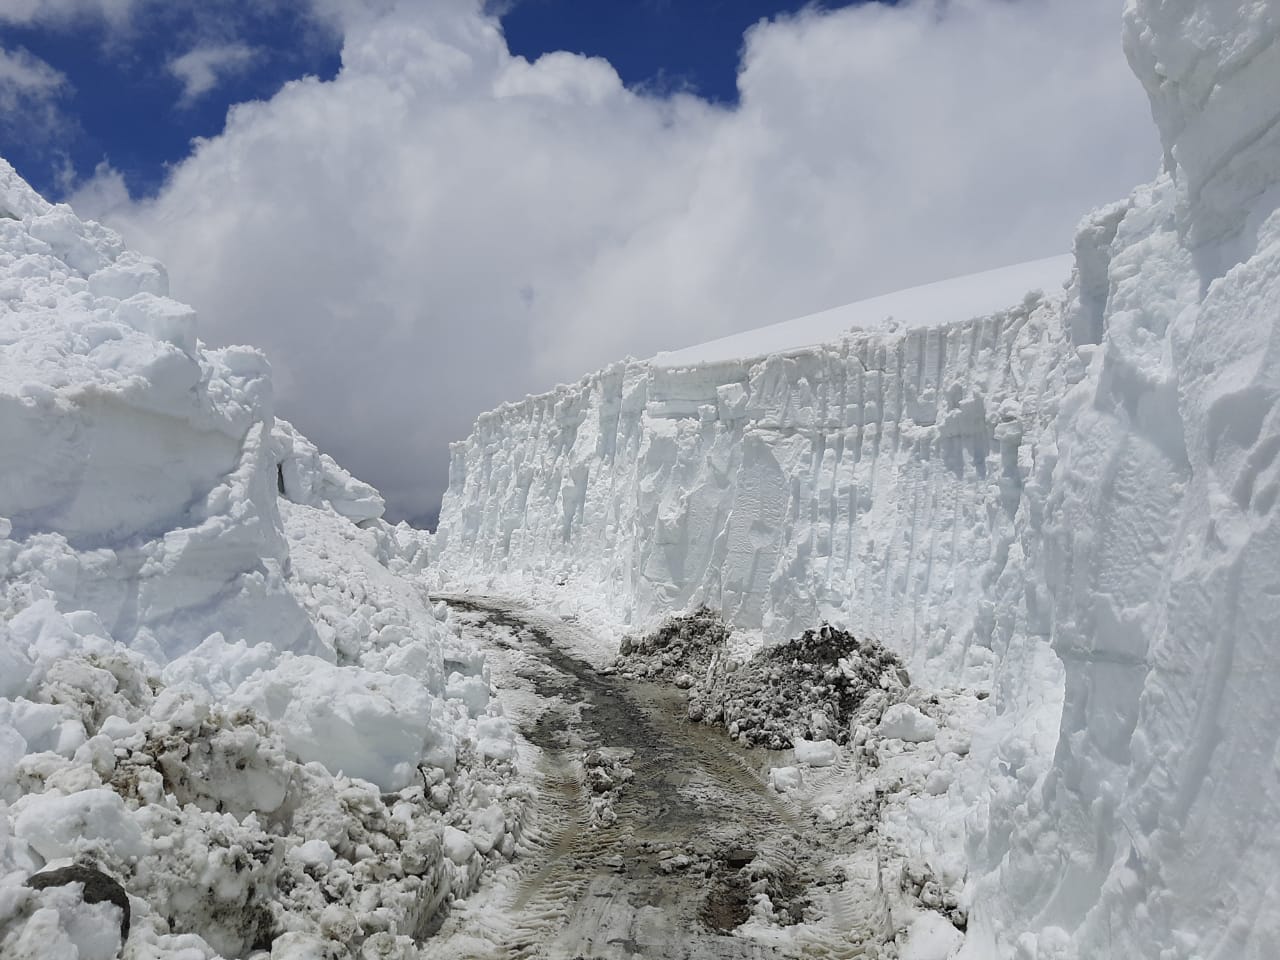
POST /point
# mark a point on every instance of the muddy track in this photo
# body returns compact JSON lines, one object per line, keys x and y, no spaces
{"x":672,"y":856}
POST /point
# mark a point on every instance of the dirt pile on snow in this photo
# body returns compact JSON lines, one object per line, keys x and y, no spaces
{"x":819,"y":686}
{"x":681,"y":647}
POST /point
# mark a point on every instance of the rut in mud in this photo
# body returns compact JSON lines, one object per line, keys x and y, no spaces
{"x":655,"y":836}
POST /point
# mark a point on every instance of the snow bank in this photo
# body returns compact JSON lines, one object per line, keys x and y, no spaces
{"x":138,"y":480}
{"x":214,"y":657}
{"x":1070,"y":503}
{"x":1155,"y":833}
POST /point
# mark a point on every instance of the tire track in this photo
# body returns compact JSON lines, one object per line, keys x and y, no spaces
{"x":698,"y":840}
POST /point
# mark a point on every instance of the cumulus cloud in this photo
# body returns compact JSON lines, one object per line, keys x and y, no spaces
{"x":29,"y":91}
{"x":445,"y":226}
{"x":28,"y":12}
{"x":28,"y":75}
{"x":202,"y":68}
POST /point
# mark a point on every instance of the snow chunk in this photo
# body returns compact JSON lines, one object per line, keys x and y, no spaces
{"x":314,"y":853}
{"x":472,"y":691}
{"x":128,"y":276}
{"x":88,"y":821}
{"x":458,"y":847}
{"x":495,"y":738}
{"x":220,"y":667}
{"x":931,"y":936}
{"x":783,"y":779}
{"x":64,"y":927}
{"x":162,"y":319}
{"x":15,"y":665}
{"x":902,"y":721}
{"x":816,"y":753}
{"x":376,"y":726}
{"x":487,"y":827}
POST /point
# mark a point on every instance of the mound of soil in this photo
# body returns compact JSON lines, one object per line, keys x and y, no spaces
{"x":682,"y":647}
{"x":817,"y":686}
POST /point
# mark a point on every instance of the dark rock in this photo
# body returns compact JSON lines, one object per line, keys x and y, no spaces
{"x":98,"y":888}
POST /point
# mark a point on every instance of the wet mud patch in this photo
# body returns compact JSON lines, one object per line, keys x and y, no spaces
{"x":743,"y":885}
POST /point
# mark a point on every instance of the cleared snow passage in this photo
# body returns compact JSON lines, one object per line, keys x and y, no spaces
{"x":934,"y":304}
{"x":658,"y":837}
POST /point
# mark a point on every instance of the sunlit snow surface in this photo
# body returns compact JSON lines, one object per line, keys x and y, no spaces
{"x":930,"y":305}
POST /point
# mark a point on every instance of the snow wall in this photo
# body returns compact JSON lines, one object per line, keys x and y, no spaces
{"x":1073,"y":502}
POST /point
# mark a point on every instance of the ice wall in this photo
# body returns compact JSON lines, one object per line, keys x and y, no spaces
{"x":1076,"y":501}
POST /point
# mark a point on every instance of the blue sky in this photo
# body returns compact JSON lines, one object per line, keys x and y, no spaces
{"x":123,"y":103}
{"x":664,"y":44}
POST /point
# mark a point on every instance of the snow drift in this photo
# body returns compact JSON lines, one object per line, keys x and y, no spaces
{"x":220,"y":683}
{"x":1069,"y":501}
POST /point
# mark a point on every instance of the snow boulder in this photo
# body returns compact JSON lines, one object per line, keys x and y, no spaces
{"x":91,"y":821}
{"x":376,"y":726}
{"x":931,"y":936}
{"x":816,"y":753}
{"x":902,"y":721}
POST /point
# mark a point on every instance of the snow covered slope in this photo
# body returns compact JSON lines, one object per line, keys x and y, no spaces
{"x":1071,"y":501}
{"x":930,"y":305}
{"x":216,"y":689}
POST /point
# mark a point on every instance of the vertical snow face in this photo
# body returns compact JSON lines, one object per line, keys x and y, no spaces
{"x":876,"y":482}
{"x":1155,"y":832}
{"x":1210,"y":68}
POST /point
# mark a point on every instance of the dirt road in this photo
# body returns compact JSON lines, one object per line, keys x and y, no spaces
{"x":654,"y":836}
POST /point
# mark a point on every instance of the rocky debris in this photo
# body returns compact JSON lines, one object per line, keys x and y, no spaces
{"x":818,"y":686}
{"x":679,"y":650}
{"x":757,"y":888}
{"x":606,"y":773}
{"x":918,"y":883}
{"x":98,"y":887}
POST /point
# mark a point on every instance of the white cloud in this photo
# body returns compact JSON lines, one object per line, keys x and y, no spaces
{"x":202,"y":68}
{"x":445,"y":226}
{"x":29,"y":90}
{"x":24,"y":73}
{"x":28,"y":12}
